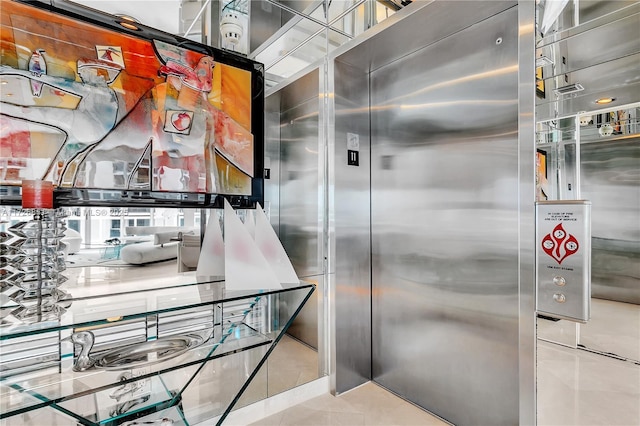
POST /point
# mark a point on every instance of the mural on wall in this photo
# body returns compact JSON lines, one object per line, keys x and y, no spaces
{"x":88,"y":107}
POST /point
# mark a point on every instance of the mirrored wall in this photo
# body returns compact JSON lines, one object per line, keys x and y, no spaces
{"x":588,"y":147}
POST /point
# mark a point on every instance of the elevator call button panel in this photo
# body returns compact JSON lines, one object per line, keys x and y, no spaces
{"x":563,"y":259}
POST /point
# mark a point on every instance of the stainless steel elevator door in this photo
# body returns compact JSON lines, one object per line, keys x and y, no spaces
{"x":444,"y":212}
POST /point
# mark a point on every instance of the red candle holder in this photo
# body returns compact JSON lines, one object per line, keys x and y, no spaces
{"x":37,"y":194}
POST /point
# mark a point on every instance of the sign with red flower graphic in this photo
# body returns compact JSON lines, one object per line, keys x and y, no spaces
{"x":563,"y":267}
{"x":559,"y":244}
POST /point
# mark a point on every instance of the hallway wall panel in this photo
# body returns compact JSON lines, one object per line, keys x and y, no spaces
{"x":351,"y":268}
{"x":291,"y":154}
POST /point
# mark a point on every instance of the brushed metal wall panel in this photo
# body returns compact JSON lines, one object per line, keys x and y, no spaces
{"x":303,"y":89}
{"x":526,"y":165}
{"x":272,"y":159}
{"x":445,"y":230}
{"x":299,"y":185}
{"x":300,"y":230}
{"x":265,"y":19}
{"x":585,"y":55}
{"x":571,"y":54}
{"x":592,"y":9}
{"x":351,"y":263}
{"x":588,"y":10}
{"x":415,"y":27}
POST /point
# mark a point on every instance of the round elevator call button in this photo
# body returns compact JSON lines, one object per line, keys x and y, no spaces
{"x":559,"y":281}
{"x":559,"y":297}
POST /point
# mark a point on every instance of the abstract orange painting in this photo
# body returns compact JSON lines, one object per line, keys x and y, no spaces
{"x":88,"y":106}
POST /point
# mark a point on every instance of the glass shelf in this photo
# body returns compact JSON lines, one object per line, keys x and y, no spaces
{"x":96,"y":282}
{"x":171,"y":416}
{"x":87,"y":310}
{"x":564,"y":130}
{"x":14,"y":401}
{"x":110,"y":309}
{"x":55,"y":384}
{"x":20,"y":394}
{"x":113,"y":405}
{"x":81,"y":197}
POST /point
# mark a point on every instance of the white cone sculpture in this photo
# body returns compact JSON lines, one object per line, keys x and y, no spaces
{"x":245,"y":266}
{"x":272,"y":250}
{"x":250,"y":222}
{"x":211,"y":260}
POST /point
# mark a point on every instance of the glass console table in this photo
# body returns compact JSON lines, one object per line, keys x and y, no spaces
{"x":112,"y":356}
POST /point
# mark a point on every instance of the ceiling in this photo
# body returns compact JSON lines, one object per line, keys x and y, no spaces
{"x":285,"y":35}
{"x":291,"y":35}
{"x":601,"y":54}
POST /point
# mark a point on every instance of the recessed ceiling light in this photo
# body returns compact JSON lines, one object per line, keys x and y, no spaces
{"x":129,"y":26}
{"x":128,"y":18}
{"x":128,"y":22}
{"x":605,"y":100}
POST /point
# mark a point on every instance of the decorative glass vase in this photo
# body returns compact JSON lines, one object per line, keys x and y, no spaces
{"x":31,"y":266}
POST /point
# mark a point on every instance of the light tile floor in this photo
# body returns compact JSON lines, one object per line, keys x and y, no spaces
{"x":575,"y":387}
{"x":368,"y":405}
{"x":614,"y":327}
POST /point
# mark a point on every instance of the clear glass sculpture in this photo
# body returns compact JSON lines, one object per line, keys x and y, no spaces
{"x":31,"y":268}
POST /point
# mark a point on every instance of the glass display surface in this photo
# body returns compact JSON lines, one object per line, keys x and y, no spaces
{"x":113,"y":107}
{"x":114,"y":350}
{"x":113,"y":404}
{"x":89,"y":307}
{"x":51,"y":386}
{"x":95,"y":309}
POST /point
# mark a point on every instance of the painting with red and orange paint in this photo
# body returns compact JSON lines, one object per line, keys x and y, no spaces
{"x":542,"y":184}
{"x":87,"y":107}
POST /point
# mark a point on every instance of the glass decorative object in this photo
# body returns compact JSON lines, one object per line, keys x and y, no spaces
{"x":31,"y":268}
